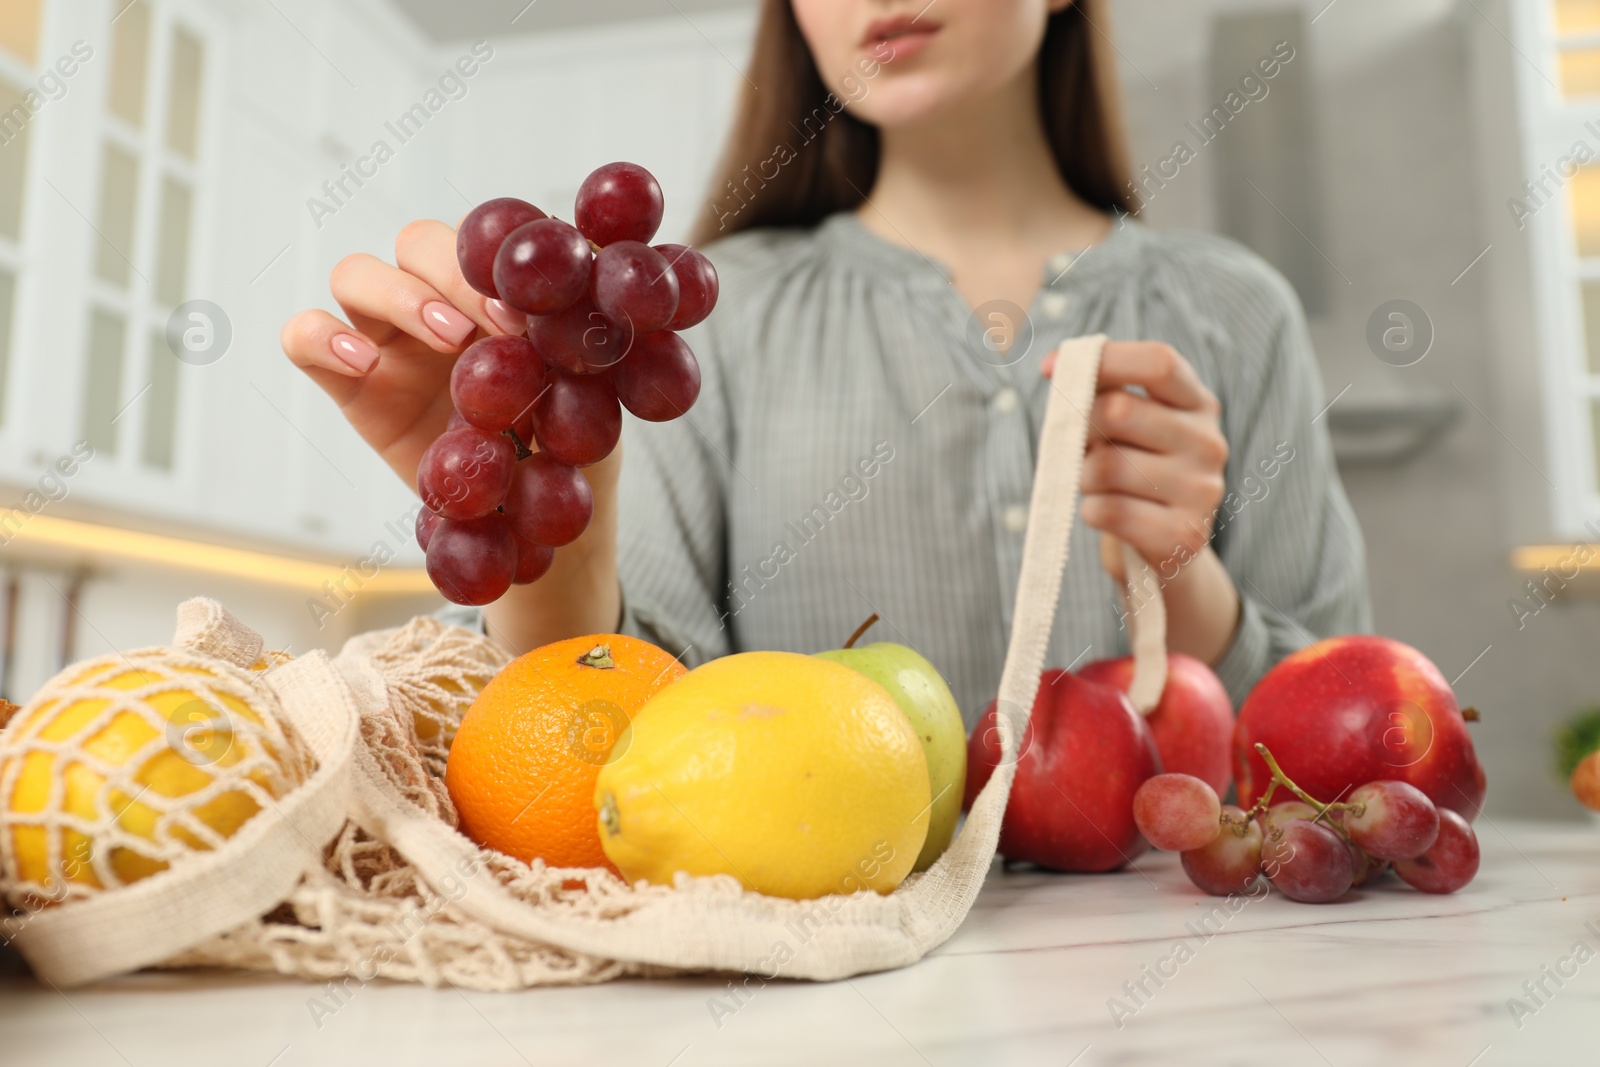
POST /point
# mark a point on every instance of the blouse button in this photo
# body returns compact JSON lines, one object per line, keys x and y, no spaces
{"x":1005,"y":401}
{"x":1015,"y":518}
{"x":1053,"y":305}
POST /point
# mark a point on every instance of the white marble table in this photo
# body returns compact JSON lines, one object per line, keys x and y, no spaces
{"x":1389,"y":976}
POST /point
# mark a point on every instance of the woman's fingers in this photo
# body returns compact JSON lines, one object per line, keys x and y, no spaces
{"x":426,"y":249}
{"x":1159,"y":533}
{"x":1159,"y":370}
{"x":1145,"y":423}
{"x":1154,"y":472}
{"x":1165,"y":479}
{"x":1155,"y":367}
{"x":384,"y":302}
{"x":333,"y":354}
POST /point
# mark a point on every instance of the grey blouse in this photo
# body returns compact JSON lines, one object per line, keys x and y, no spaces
{"x":858,"y":447}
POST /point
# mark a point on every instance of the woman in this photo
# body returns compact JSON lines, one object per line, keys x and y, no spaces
{"x":902,"y":179}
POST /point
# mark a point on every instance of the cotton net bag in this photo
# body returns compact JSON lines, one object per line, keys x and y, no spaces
{"x":306,"y":829}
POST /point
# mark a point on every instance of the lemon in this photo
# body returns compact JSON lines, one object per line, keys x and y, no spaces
{"x":179,"y":739}
{"x":798,"y":776}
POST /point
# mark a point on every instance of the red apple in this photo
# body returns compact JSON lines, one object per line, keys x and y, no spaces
{"x":1084,"y":753}
{"x":1193,"y":724}
{"x":1351,"y":710}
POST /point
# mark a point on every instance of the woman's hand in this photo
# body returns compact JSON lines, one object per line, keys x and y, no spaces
{"x":1154,"y":472}
{"x":388,"y":369}
{"x":1154,"y":477}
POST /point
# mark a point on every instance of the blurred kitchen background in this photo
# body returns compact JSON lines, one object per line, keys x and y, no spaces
{"x":170,"y":191}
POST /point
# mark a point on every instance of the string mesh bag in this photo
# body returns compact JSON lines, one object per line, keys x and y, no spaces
{"x":126,"y":764}
{"x":370,"y":876}
{"x":367,"y":913}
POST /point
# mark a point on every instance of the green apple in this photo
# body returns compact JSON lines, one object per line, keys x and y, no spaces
{"x":918,"y":688}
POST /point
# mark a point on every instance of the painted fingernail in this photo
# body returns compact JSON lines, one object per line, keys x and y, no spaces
{"x":506,"y":317}
{"x":450,"y":325}
{"x":354,"y":352}
{"x":1047,"y":366}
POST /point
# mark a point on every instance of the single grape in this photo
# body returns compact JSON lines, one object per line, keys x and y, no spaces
{"x":1231,"y":863}
{"x":659,"y":380}
{"x":1450,"y":861}
{"x":619,"y":202}
{"x":1177,"y":812}
{"x":1307,"y":862}
{"x":579,"y":340}
{"x":495,"y":381}
{"x":1391,"y":820}
{"x":533,"y":561}
{"x":427,"y":522}
{"x":465,"y":473}
{"x":472,"y":561}
{"x":549,"y":502}
{"x":543,"y":267}
{"x":1284,"y":810}
{"x":578,"y":419}
{"x":635,"y":286}
{"x":697,"y":285}
{"x":481,"y":233}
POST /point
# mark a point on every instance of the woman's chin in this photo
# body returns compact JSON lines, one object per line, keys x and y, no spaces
{"x":911,"y":102}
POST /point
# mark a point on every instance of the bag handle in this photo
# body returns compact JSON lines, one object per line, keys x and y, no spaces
{"x":933,"y":916}
{"x":1147,"y":631}
{"x":1052,"y":510}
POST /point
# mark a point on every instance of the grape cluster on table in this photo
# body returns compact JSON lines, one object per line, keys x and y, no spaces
{"x":1310,"y":855}
{"x":604,"y":307}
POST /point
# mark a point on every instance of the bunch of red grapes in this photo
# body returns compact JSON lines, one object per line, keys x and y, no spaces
{"x":1311,"y":852}
{"x":604,"y":307}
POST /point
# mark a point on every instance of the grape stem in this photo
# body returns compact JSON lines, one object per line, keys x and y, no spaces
{"x":523,"y":451}
{"x":1280,"y":778}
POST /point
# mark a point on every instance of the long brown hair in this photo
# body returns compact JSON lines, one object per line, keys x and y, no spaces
{"x":795,"y":156}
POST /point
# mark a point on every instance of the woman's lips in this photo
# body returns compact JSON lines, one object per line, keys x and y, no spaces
{"x":897,"y":39}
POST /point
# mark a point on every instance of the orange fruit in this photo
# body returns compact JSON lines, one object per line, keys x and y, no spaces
{"x":524,"y":761}
{"x":1586,"y":781}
